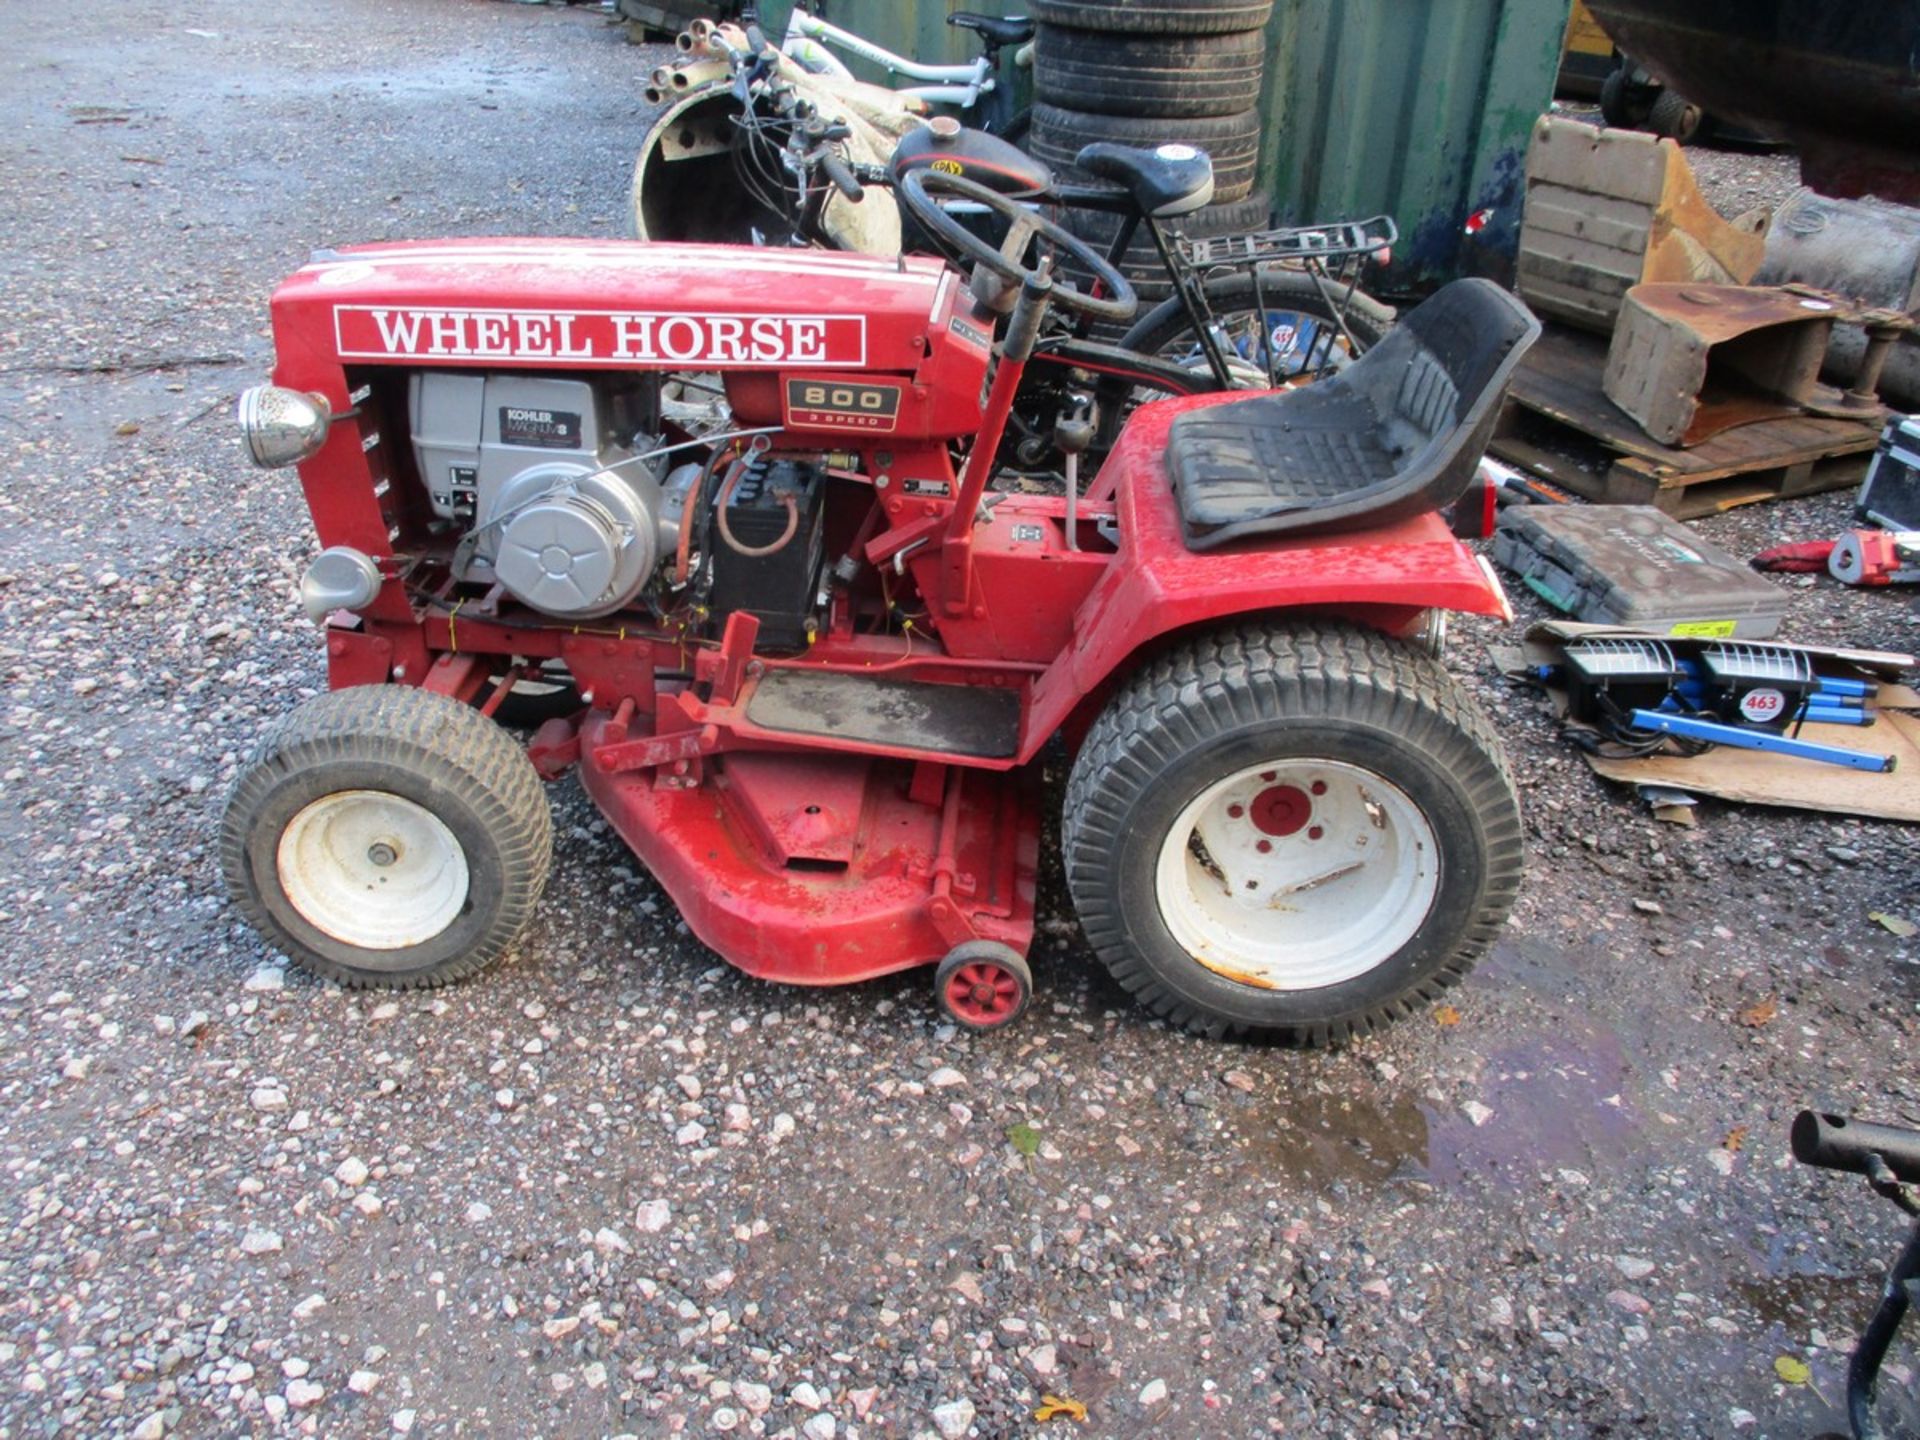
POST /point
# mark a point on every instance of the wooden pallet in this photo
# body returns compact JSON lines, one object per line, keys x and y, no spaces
{"x":1559,"y":424}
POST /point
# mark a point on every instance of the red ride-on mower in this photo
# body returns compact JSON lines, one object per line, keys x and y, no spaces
{"x":733,"y":506}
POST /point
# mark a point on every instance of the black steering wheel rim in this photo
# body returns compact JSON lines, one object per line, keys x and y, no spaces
{"x":1120,"y":301}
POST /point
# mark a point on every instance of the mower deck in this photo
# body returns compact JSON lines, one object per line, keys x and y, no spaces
{"x":820,"y":869}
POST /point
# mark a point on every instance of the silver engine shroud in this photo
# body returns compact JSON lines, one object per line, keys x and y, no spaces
{"x":525,"y":464}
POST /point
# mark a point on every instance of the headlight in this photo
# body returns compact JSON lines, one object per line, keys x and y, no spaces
{"x":282,"y":427}
{"x":340,"y":578}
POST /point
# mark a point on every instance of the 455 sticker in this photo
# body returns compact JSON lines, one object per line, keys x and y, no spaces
{"x":842,"y":405}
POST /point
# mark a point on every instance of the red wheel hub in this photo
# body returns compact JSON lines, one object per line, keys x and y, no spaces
{"x":1280,"y":810}
{"x":982,"y":993}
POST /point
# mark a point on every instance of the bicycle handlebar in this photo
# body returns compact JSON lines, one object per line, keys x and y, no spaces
{"x":1836,"y":1142}
{"x":843,"y":178}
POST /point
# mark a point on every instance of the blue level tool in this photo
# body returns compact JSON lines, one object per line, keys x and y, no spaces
{"x":1715,"y":733}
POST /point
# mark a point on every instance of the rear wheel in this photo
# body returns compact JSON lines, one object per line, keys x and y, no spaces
{"x":387,"y":836}
{"x":1295,"y":832}
{"x":1283,"y":327}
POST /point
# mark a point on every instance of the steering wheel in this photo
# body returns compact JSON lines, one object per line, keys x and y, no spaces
{"x":915,"y":190}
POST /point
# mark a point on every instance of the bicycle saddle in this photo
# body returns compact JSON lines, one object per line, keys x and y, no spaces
{"x":1396,"y":433}
{"x":1014,"y":30}
{"x":1166,"y":181}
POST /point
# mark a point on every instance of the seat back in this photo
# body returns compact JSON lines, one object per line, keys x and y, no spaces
{"x":1437,"y":379}
{"x":1396,"y":433}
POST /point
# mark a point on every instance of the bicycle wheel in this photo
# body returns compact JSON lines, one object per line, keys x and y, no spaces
{"x":1283,"y":329}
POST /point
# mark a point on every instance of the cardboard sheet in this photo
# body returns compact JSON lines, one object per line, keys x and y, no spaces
{"x":1757,"y":778}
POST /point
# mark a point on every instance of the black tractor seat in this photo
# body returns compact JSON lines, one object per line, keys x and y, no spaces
{"x":1013,"y":30}
{"x":1165,"y":181}
{"x":1398,"y":432}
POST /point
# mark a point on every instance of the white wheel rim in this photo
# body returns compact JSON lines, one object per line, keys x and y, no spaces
{"x":372,"y":869}
{"x":1297,"y":874}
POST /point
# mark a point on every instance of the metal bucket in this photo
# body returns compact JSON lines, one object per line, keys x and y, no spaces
{"x":684,"y":186}
{"x":1867,"y":250}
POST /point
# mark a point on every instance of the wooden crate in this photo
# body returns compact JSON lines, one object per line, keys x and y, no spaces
{"x":1559,"y":424}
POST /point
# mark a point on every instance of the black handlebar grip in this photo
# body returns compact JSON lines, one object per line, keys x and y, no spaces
{"x":1835,"y":1142}
{"x":837,"y":171}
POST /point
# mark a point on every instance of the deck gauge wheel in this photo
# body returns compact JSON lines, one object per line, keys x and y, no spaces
{"x":983,"y":985}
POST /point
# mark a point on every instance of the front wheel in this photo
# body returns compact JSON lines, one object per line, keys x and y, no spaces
{"x":387,"y":836}
{"x":1293,"y":832}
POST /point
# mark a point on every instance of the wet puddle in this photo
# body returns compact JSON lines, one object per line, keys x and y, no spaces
{"x":1549,"y":1100}
{"x":1327,"y":1139}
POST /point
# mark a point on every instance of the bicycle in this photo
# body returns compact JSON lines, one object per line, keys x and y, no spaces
{"x":1889,"y":1158}
{"x":1259,"y":308}
{"x":963,"y":87}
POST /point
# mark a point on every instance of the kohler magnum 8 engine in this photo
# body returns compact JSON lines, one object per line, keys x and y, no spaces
{"x":558,"y":496}
{"x":556,"y":503}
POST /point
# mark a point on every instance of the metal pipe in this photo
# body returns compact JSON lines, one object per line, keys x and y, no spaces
{"x":1839,"y":1142}
{"x":1689,"y":728}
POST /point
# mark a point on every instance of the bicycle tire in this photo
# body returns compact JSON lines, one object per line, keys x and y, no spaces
{"x":1291,"y":292}
{"x":1141,"y":263}
{"x":1232,"y":141}
{"x":1154,"y":17}
{"x":1177,"y":76}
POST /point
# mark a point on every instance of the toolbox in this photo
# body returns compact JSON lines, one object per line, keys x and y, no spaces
{"x":1891,"y":494}
{"x":1633,"y":565}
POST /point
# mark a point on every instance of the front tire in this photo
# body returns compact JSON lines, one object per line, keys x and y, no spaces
{"x":383,"y":836}
{"x":1291,"y":832}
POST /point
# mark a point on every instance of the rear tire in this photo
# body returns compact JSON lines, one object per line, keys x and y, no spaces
{"x":388,"y":837}
{"x":1292,"y":302}
{"x":1154,"y":17}
{"x":1232,"y":141}
{"x":1178,"y":76}
{"x":1376,"y":804}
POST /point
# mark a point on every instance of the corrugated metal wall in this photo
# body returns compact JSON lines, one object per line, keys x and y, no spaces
{"x":1419,"y":109}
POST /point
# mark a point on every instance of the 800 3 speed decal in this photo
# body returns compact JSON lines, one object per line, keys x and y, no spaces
{"x":843,"y":405}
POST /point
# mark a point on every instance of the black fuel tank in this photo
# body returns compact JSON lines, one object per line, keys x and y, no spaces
{"x":945,"y":144}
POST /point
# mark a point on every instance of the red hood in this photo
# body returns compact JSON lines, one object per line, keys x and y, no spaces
{"x":621,"y":304}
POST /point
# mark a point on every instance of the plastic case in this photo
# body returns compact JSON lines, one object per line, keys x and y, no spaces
{"x":1633,"y":565}
{"x":1891,"y":495}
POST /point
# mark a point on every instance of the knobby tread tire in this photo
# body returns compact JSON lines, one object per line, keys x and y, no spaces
{"x":460,"y":765}
{"x":1230,"y":684}
{"x":1231,"y":141}
{"x":1180,"y":76}
{"x":1154,"y":17}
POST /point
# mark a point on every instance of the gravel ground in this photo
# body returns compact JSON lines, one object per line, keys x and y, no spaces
{"x":614,"y":1187}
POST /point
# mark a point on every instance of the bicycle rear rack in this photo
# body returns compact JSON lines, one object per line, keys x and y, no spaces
{"x":1300,"y":243}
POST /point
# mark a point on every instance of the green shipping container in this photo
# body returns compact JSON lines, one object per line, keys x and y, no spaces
{"x":1419,"y":109}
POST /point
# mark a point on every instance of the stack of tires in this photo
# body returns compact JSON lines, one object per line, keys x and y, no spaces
{"x":1147,"y":72}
